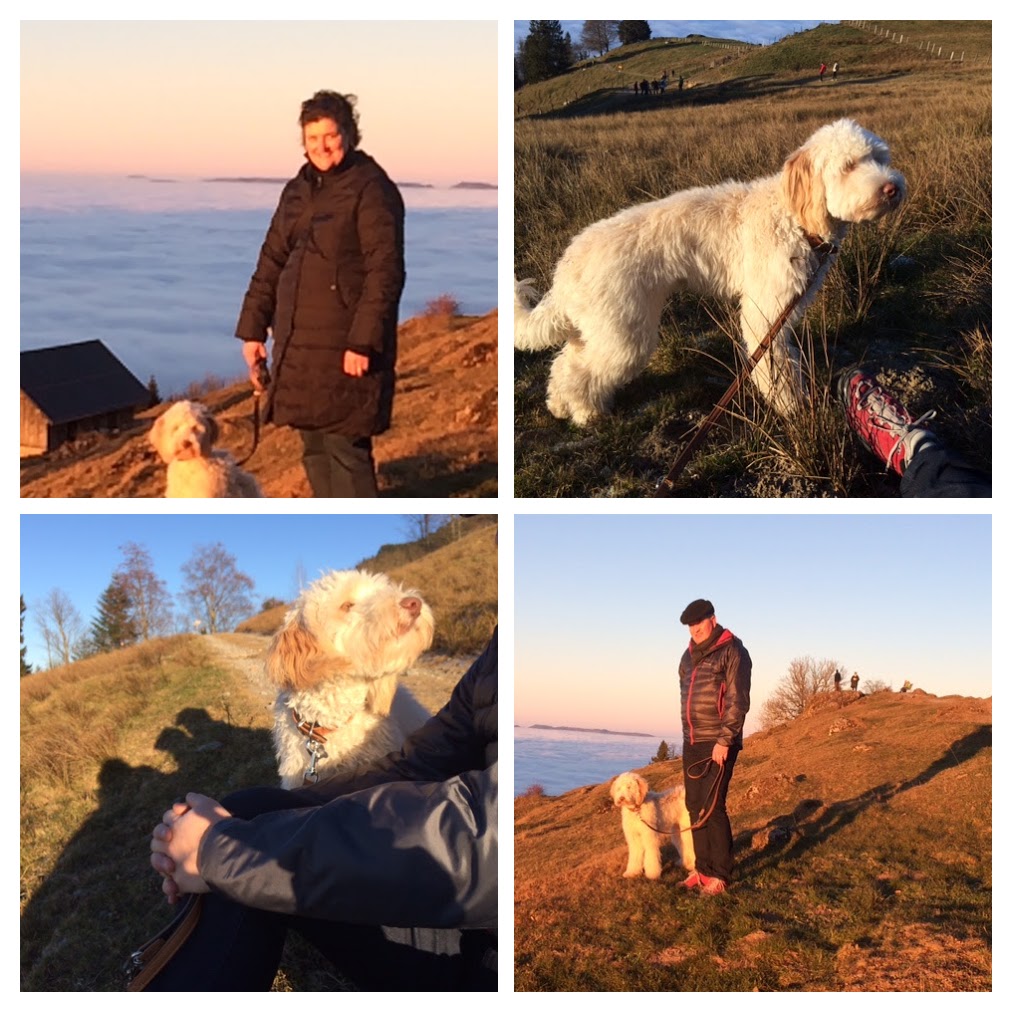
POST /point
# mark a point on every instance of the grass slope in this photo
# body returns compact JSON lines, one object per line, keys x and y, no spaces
{"x":910,"y":297}
{"x":456,"y":571}
{"x":863,"y":844}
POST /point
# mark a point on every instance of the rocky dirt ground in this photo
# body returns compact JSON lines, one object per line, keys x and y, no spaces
{"x":443,"y":441}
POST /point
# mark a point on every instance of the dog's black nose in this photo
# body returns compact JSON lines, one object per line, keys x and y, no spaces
{"x":412,"y":605}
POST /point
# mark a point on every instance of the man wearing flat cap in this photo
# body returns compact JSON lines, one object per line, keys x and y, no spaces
{"x":715,"y":676}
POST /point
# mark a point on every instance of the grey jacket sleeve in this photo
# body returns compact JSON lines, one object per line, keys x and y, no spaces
{"x":403,"y":854}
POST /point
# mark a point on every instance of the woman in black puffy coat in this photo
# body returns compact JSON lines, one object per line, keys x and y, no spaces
{"x":327,"y":286}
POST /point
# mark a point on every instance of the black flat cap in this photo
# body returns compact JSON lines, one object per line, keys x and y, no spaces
{"x":696,"y":612}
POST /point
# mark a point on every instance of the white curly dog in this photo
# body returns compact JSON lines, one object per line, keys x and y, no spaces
{"x":336,"y":662}
{"x":184,"y":438}
{"x":756,"y":242}
{"x":649,"y":820}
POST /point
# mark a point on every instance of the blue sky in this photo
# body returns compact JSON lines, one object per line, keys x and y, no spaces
{"x":597,"y":601}
{"x":744,"y":31}
{"x":78,"y":554}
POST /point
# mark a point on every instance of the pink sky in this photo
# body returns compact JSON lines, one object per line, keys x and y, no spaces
{"x":222,"y":97}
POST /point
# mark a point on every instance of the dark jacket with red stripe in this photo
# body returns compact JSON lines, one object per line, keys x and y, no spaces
{"x":329,"y":280}
{"x":715,"y":687}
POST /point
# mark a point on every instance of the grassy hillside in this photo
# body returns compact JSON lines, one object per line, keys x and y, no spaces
{"x":456,"y":571}
{"x":136,"y":729}
{"x":909,"y":299}
{"x":863,"y":846}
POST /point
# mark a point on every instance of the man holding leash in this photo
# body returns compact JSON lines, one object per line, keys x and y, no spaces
{"x":715,"y":676}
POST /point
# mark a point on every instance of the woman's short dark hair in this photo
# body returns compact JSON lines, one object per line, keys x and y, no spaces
{"x":339,"y":108}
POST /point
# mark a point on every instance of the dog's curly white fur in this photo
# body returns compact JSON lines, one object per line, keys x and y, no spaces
{"x":753,"y":242}
{"x":336,"y":661}
{"x":649,"y":820}
{"x":184,"y":438}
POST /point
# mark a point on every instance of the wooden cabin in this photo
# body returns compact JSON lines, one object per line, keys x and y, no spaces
{"x":72,"y":389}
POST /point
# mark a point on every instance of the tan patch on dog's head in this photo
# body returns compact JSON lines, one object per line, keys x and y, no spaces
{"x":805,"y":193}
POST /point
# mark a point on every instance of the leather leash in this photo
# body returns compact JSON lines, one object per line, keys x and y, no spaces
{"x":823,"y":250}
{"x":264,"y":379}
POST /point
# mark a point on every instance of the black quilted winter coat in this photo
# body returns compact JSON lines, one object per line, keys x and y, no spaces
{"x":329,"y":279}
{"x":715,"y":689}
{"x":412,"y":842}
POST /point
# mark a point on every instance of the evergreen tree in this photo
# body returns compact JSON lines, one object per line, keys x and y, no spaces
{"x":545,"y":52}
{"x":663,"y":753}
{"x":26,"y":668}
{"x":115,"y":626}
{"x":633,"y":31}
{"x":154,"y":397}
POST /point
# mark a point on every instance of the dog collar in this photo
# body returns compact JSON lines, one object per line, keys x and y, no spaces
{"x":310,"y":729}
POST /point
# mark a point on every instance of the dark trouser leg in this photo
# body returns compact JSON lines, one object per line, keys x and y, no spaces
{"x":338,"y":467}
{"x":935,"y":472}
{"x":713,"y":841}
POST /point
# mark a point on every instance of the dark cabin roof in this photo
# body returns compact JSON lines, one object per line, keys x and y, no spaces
{"x":75,"y":381}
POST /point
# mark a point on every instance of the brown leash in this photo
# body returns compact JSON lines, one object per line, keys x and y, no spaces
{"x":264,"y":379}
{"x":823,"y":250}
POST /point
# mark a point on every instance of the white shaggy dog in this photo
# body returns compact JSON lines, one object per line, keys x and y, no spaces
{"x":336,"y":661}
{"x":755,"y":242}
{"x":184,"y":436}
{"x":649,"y":820}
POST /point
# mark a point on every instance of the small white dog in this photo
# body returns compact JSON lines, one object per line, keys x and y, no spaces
{"x":336,"y":661}
{"x":649,"y":820}
{"x":184,"y":436}
{"x":757,"y":242}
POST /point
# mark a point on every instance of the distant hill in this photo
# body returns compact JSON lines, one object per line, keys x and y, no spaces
{"x":593,"y":730}
{"x":863,"y":847}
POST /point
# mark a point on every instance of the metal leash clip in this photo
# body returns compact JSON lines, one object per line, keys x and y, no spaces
{"x":316,"y":752}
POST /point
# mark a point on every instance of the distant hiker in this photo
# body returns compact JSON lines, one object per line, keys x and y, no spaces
{"x":715,"y":677}
{"x":837,"y":678}
{"x":326,"y":286}
{"x":681,"y":82}
{"x":907,"y":686}
{"x":636,"y":87}
{"x":836,"y":67}
{"x":644,"y":87}
{"x":853,"y":681}
{"x":822,"y":71}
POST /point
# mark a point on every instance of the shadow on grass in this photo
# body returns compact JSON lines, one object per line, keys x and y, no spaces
{"x":101,"y":898}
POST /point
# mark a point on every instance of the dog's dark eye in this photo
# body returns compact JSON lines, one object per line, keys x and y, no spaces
{"x":347,"y":606}
{"x":849,"y":167}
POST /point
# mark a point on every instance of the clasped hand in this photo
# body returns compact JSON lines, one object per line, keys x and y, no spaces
{"x":175,"y":844}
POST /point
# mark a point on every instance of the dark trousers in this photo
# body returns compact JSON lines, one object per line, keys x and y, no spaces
{"x":705,"y":785}
{"x":936,"y":472}
{"x":339,"y":467}
{"x":237,"y":948}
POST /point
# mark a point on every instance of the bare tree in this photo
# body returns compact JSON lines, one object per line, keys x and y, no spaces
{"x":805,"y":679}
{"x":150,"y":603}
{"x":421,"y":525}
{"x":60,"y":625}
{"x":217,"y":592}
{"x":598,"y":36}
